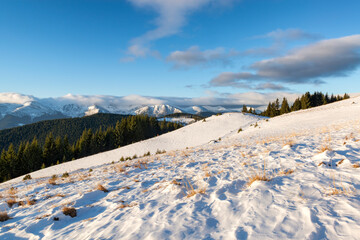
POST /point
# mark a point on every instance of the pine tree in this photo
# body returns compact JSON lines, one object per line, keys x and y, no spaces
{"x":305,"y":101}
{"x":244,"y":109}
{"x":296,"y":105}
{"x":284,"y":106}
{"x":49,"y":154}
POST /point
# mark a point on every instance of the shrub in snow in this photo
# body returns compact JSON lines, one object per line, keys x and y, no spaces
{"x":101,"y":188}
{"x":27,"y":177}
{"x":4,"y":216}
{"x":69,"y":211}
{"x":65,"y":174}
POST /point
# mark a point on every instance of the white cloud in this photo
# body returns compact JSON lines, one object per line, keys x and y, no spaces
{"x":291,"y":34}
{"x":309,"y":64}
{"x":15,"y":98}
{"x":194,"y":56}
{"x":172,"y":16}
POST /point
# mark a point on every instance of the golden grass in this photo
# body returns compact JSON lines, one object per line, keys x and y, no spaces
{"x":12,"y":191}
{"x":286,"y":172}
{"x":340,"y":162}
{"x":124,"y":205}
{"x":59,"y":195}
{"x":4,"y":216}
{"x":290,"y":143}
{"x":52,"y":180}
{"x":69,"y":211}
{"x":175,"y":182}
{"x":141,"y":164}
{"x":43,"y":216}
{"x":190,"y":191}
{"x":257,"y":177}
{"x":324,"y":148}
{"x":101,"y":188}
{"x":11,"y":202}
{"x":326,"y":145}
{"x":356,"y":165}
{"x":30,"y":202}
{"x":120,"y":168}
{"x":342,"y":190}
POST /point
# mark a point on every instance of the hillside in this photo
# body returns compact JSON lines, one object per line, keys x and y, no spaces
{"x":18,"y":109}
{"x":72,"y":127}
{"x":205,"y":185}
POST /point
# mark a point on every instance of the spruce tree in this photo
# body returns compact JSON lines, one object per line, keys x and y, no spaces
{"x":284,"y":106}
{"x":296,"y":105}
{"x":305,"y":101}
{"x":244,"y":109}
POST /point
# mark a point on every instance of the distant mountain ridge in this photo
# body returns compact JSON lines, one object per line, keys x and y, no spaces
{"x":18,"y":109}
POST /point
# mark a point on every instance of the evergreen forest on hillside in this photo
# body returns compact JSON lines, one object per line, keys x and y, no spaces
{"x":306,"y":101}
{"x":27,"y":156}
{"x":72,"y":127}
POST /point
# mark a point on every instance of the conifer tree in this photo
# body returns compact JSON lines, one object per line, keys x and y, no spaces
{"x":284,"y":106}
{"x":244,"y":109}
{"x":305,"y":101}
{"x":49,"y":152}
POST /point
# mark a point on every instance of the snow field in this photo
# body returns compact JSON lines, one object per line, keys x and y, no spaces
{"x":202,"y":189}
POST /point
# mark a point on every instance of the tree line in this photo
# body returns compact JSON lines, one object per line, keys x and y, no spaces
{"x":306,"y":101}
{"x":31,"y":155}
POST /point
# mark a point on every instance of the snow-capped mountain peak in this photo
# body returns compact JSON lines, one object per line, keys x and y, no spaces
{"x":158,"y":110}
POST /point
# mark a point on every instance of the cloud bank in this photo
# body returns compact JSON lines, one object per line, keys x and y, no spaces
{"x":309,"y":64}
{"x":194,"y":56}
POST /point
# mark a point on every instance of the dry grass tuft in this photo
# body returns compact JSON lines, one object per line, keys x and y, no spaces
{"x":101,"y":188}
{"x":340,"y":162}
{"x":69,"y":211}
{"x":286,"y":172}
{"x":12,"y":191}
{"x":141,"y":164}
{"x":326,"y":145}
{"x":4,"y":216}
{"x":341,"y":190}
{"x":175,"y":182}
{"x":43,"y":216}
{"x":120,"y":168}
{"x":30,"y":202}
{"x":124,"y":205}
{"x":11,"y":202}
{"x":257,"y":177}
{"x":356,"y":165}
{"x":290,"y":142}
{"x":324,"y":148}
{"x":59,"y":195}
{"x":191,"y":191}
{"x":52,"y":180}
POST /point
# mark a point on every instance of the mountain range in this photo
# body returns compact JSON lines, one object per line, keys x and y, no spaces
{"x":18,"y":109}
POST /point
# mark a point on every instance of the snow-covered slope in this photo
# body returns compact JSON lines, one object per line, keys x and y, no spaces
{"x":202,"y":189}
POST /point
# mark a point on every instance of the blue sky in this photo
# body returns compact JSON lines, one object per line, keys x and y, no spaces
{"x":179,"y":48}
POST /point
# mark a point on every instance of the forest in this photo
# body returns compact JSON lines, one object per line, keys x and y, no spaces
{"x":28,"y":156}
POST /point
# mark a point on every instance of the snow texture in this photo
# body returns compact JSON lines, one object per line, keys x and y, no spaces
{"x":202,"y":187}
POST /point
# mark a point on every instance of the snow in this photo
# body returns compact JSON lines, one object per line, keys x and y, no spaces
{"x":200,"y":188}
{"x":157,"y":110}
